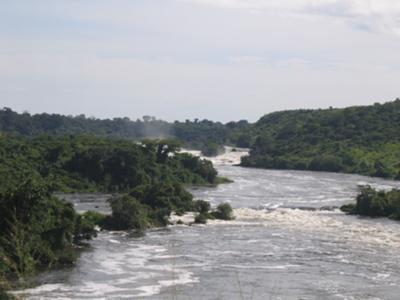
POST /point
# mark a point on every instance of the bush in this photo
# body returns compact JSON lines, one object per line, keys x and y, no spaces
{"x":127,"y":213}
{"x":223,"y":212}
{"x":94,"y":218}
{"x":85,"y":228}
{"x":37,"y":229}
{"x":373,"y":203}
{"x":168,"y":195}
{"x":328,"y":163}
{"x":5,"y":296}
{"x":202,"y":207}
{"x":200,"y":219}
{"x":348,"y":208}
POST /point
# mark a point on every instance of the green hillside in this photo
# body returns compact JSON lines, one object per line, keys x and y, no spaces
{"x":360,"y":139}
{"x":195,"y":134}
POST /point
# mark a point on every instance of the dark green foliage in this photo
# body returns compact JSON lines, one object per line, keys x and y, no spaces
{"x":328,"y":162}
{"x":202,"y":207}
{"x":222,"y":180}
{"x":373,"y":203}
{"x":37,"y":229}
{"x":193,"y":134}
{"x":54,"y":124}
{"x":212,"y":149}
{"x":127,"y":213}
{"x":93,"y":217}
{"x":86,"y":223}
{"x":87,"y":163}
{"x":223,"y":212}
{"x":347,"y":208}
{"x":199,"y":171}
{"x":5,"y":296}
{"x":244,"y":141}
{"x":148,"y":205}
{"x":152,"y":172}
{"x":363,"y":140}
{"x":168,"y":195}
{"x":201,"y":219}
{"x":198,"y":134}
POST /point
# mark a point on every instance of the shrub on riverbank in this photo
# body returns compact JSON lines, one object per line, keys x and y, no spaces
{"x":374,"y":203}
{"x":201,"y":219}
{"x":223,"y":212}
{"x":37,"y":229}
{"x":202,"y":207}
{"x":146,"y":206}
{"x":127,"y":213}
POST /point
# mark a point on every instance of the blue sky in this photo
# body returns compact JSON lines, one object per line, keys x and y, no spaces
{"x":216,"y":59}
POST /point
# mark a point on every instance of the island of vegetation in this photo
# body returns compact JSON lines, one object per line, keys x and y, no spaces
{"x":39,"y":231}
{"x":375,"y":203}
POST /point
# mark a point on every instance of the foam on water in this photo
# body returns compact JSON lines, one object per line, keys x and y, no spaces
{"x":230,"y":157}
{"x":308,"y":253}
{"x":339,"y":225}
{"x":127,"y":267}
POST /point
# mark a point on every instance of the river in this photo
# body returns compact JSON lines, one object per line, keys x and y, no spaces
{"x":281,"y":245}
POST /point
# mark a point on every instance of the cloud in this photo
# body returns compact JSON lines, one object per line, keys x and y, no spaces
{"x":374,"y":15}
{"x":179,"y":59}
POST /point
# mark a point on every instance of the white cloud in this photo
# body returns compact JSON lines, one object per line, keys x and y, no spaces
{"x":180,"y":59}
{"x":376,"y":15}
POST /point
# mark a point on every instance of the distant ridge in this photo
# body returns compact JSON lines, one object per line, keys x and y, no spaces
{"x":358,"y":139}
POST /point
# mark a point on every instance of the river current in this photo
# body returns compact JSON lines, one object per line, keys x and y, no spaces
{"x":286,"y":242}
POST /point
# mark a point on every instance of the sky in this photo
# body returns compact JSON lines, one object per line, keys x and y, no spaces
{"x":220,"y":60}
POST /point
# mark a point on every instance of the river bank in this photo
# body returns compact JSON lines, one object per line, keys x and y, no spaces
{"x":271,"y":250}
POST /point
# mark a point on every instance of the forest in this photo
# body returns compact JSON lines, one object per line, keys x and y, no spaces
{"x":193,"y":134}
{"x":40,"y":231}
{"x":361,"y":139}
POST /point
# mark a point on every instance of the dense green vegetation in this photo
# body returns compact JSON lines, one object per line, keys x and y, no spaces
{"x":147,"y":206}
{"x":38,"y":230}
{"x":194,"y":134}
{"x":203,"y":208}
{"x":43,"y":153}
{"x":223,"y":212}
{"x":363,"y":140}
{"x":86,"y":163}
{"x":212,"y":149}
{"x":4,"y":295}
{"x":373,"y":203}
